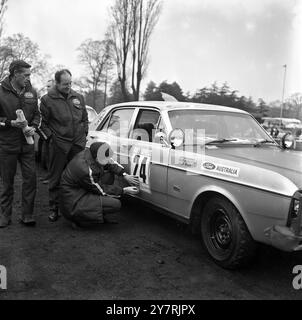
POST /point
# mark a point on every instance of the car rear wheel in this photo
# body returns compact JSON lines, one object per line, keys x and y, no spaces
{"x":225,"y":235}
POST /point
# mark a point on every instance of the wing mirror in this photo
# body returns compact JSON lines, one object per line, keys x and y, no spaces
{"x":162,"y":138}
{"x":288,"y":141}
{"x":175,"y":140}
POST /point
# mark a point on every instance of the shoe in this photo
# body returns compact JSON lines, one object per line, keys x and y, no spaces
{"x":4,"y":222}
{"x":28,"y":221}
{"x":54,"y":216}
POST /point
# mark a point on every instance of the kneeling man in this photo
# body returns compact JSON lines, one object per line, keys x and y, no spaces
{"x":87,"y":193}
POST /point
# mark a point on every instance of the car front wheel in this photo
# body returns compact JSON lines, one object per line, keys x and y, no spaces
{"x":225,"y":235}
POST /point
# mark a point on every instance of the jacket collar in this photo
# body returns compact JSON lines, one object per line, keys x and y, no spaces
{"x":55,"y":94}
{"x":6,"y":84}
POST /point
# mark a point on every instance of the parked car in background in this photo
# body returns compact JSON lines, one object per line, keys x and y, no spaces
{"x":212,"y":167}
{"x":284,"y":123}
{"x":279,"y":127}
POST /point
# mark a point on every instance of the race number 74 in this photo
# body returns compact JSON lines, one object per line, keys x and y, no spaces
{"x":141,"y":167}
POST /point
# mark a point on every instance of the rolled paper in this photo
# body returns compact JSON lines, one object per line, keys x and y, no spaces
{"x":21,"y":117}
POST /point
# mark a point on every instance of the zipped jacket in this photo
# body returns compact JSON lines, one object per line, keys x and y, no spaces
{"x":12,"y":139}
{"x":64,"y":120}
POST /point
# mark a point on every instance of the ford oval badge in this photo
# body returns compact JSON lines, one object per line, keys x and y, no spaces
{"x":209,"y":166}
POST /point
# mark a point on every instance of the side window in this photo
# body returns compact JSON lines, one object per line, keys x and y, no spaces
{"x":161,"y":127}
{"x":103,"y":126}
{"x":146,"y":124}
{"x":118,"y":123}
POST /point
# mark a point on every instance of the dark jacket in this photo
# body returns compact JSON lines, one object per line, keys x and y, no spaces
{"x":65,"y":120}
{"x":12,"y":139}
{"x":84,"y":182}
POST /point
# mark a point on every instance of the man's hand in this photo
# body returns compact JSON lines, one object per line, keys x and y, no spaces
{"x":19,"y":124}
{"x":132,"y":180}
{"x":30,"y":131}
{"x":131,"y":190}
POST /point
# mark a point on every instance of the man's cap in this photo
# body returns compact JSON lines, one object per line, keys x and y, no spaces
{"x":16,"y":64}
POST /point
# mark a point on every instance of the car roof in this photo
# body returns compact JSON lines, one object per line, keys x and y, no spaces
{"x":171,"y":105}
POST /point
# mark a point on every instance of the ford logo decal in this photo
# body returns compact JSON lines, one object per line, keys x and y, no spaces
{"x":209,"y":166}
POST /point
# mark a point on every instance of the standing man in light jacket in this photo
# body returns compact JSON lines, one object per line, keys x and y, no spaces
{"x":16,"y":93}
{"x":65,"y":124}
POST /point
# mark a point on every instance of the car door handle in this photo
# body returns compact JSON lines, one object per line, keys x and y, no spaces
{"x":93,"y":137}
{"x":176,"y":188}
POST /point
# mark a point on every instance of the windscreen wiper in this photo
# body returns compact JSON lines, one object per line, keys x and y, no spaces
{"x":262,"y":142}
{"x":220,"y":141}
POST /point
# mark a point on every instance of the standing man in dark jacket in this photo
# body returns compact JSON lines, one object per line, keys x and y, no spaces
{"x":16,"y":93}
{"x":65,"y":124}
{"x":87,"y":193}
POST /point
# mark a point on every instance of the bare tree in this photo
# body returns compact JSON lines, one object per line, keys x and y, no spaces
{"x":145,"y":16}
{"x":5,"y":52}
{"x":96,"y":57}
{"x":3,"y":8}
{"x":131,"y":29}
{"x":6,"y":56}
{"x":20,"y":47}
{"x":295,"y":101}
{"x":120,"y":33}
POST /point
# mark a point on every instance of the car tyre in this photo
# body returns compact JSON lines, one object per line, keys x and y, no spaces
{"x":225,"y":235}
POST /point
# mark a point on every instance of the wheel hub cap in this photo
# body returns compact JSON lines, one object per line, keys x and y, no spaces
{"x":221,"y":230}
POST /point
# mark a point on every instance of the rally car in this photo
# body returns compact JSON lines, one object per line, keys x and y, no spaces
{"x":212,"y":167}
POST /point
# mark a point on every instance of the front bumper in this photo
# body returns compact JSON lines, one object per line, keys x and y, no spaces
{"x":289,"y":237}
{"x":284,"y":238}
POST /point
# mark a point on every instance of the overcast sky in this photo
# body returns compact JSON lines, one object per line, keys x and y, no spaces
{"x":196,"y":42}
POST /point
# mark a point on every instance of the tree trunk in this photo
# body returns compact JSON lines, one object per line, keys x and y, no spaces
{"x":138,"y":83}
{"x":105,"y":90}
{"x":124,"y":89}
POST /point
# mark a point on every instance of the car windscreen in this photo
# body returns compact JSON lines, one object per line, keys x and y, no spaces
{"x":218,"y":125}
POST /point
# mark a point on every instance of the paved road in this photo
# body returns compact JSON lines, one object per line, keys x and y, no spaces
{"x":145,"y":256}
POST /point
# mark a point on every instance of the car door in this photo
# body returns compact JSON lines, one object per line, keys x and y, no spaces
{"x":148,"y":158}
{"x":184,"y":166}
{"x":182,"y":181}
{"x":114,"y":129}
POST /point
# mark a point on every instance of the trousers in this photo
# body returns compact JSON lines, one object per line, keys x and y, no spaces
{"x":109,"y":206}
{"x":8,"y":168}
{"x":57,"y":163}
